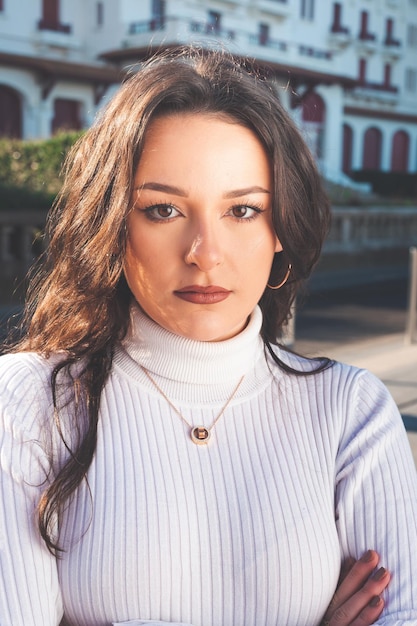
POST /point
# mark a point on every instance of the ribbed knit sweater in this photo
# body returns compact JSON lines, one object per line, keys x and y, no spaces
{"x":248,"y":530}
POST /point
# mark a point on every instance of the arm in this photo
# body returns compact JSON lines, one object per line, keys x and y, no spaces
{"x":376,"y":493}
{"x":29,"y":594}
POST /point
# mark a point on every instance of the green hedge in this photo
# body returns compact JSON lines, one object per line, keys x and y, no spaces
{"x":30,"y":170}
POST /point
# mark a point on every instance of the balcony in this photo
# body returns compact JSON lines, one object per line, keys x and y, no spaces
{"x":367,"y":42}
{"x":339,"y":36}
{"x":278,"y":8}
{"x":146,"y":26}
{"x":380,"y":92}
{"x":173,"y":30}
{"x":56,"y":35}
{"x":392,"y":48}
{"x":272,"y":44}
{"x":214,"y":30}
{"x":315,"y":53}
{"x":54,"y":26}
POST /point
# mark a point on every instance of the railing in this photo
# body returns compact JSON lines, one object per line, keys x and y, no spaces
{"x":181,"y":29}
{"x":21,"y":237}
{"x":275,"y":44}
{"x":356,"y":229}
{"x":55,"y":26}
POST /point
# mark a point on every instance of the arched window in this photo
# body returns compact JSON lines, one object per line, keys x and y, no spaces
{"x":66,"y":115}
{"x":313,"y":108}
{"x":399,"y":152}
{"x":10,"y":113}
{"x":313,"y":118}
{"x":372,"y":145}
{"x":347,"y":149}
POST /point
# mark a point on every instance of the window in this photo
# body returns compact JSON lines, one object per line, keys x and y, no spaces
{"x":362,"y":71}
{"x":307,"y":9}
{"x":389,"y":33}
{"x":50,"y":17}
{"x":372,"y":149}
{"x":100,"y":13}
{"x":412,"y":35}
{"x":158,"y":14}
{"x":347,"y":149}
{"x":411,"y":80}
{"x":10,"y":113}
{"x":66,"y":115}
{"x":50,"y":12}
{"x":400,"y":151}
{"x":214,"y":22}
{"x":364,"y":27}
{"x":263,"y":34}
{"x":337,"y":19}
{"x":387,"y":75}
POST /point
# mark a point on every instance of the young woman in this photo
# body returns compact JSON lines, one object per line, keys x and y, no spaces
{"x":163,"y":459}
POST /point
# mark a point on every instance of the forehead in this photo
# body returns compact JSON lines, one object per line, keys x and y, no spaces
{"x":190,"y":143}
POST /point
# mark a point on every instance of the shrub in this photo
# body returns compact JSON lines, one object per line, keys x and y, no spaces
{"x":30,"y":170}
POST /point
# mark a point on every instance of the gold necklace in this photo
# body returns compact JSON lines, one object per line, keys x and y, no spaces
{"x":199,"y":434}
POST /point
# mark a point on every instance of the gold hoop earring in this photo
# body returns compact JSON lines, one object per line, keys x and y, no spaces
{"x":282,"y":283}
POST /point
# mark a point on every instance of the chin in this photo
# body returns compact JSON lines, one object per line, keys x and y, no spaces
{"x":210,"y":332}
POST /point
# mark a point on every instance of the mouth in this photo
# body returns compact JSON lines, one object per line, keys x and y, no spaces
{"x":198,"y":294}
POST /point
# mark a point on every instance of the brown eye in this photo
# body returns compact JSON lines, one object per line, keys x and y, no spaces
{"x":240,"y":211}
{"x":161,"y":212}
{"x":164,"y":210}
{"x":244,"y":212}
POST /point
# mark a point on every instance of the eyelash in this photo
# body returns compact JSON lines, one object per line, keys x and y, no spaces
{"x":151,"y":209}
{"x":254,"y":207}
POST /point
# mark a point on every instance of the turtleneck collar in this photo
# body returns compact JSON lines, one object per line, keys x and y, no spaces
{"x":180,"y":359}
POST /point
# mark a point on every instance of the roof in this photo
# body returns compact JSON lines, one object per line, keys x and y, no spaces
{"x":53,"y":69}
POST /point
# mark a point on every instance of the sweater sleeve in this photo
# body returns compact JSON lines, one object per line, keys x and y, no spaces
{"x":29,"y":592}
{"x":376,"y":493}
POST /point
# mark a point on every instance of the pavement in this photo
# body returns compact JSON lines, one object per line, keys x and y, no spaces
{"x":367,"y":328}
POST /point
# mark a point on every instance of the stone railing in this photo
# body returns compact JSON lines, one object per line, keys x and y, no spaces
{"x":21,"y":235}
{"x":355,"y":232}
{"x":360,"y":229}
{"x":21,"y":242}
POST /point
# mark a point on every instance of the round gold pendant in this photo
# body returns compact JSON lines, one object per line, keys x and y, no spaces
{"x":200,"y":435}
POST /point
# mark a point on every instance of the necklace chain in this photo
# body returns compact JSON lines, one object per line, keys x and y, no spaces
{"x":199,"y":434}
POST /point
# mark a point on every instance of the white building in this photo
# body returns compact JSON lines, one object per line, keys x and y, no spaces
{"x":346,"y":71}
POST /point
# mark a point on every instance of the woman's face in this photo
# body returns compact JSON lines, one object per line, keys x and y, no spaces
{"x":200,"y":236}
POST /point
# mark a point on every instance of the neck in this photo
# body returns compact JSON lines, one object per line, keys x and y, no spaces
{"x":185,"y":360}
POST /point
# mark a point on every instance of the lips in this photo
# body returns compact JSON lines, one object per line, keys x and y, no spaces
{"x":198,"y":294}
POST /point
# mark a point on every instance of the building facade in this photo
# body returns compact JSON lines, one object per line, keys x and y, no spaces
{"x":346,"y":71}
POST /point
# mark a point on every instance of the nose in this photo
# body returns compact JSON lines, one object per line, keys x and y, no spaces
{"x":205,"y":248}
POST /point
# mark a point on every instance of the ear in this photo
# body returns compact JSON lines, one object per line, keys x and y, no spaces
{"x":278,"y":245}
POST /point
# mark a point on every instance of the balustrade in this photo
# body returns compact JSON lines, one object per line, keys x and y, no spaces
{"x":357,"y":229}
{"x":353,"y":231}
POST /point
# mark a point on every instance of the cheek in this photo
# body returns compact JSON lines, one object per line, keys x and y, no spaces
{"x":261,"y":249}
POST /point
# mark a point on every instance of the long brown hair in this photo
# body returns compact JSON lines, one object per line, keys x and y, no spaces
{"x":78,"y":300}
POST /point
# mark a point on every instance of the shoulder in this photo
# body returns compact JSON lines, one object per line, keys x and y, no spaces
{"x":25,"y":390}
{"x":334,"y":373}
{"x":24,"y":371}
{"x":341,"y":392}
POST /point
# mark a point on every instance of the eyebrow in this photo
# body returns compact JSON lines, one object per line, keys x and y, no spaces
{"x":177,"y":191}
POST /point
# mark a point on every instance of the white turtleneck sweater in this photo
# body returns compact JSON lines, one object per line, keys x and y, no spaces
{"x":248,"y":530}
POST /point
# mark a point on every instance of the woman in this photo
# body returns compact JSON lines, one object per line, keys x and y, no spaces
{"x":163,"y":459}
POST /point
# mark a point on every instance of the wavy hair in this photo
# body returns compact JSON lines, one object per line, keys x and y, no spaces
{"x":78,"y":300}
